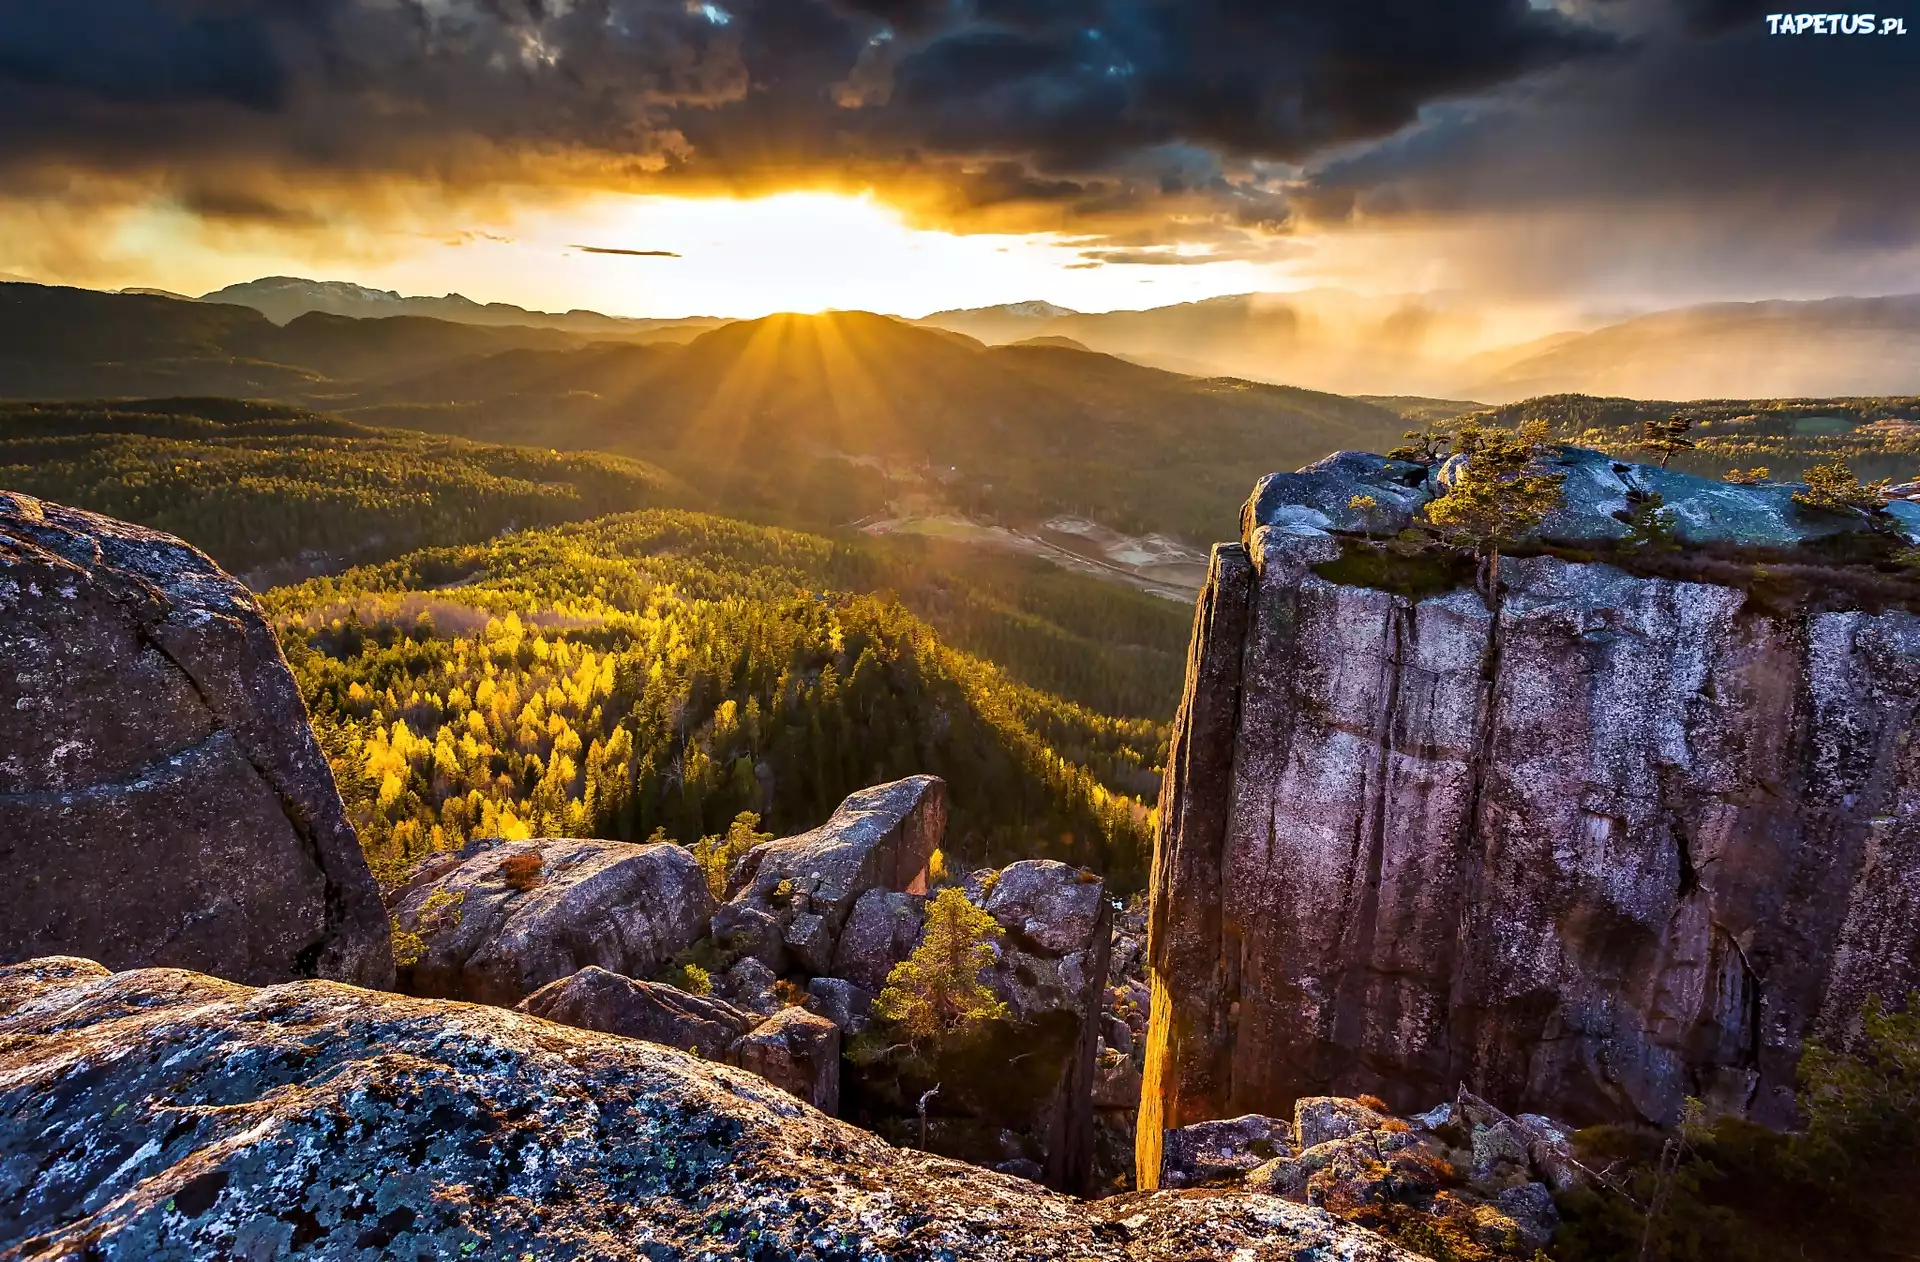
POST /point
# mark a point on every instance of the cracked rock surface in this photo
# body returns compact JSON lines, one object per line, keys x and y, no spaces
{"x":1620,"y":841}
{"x":162,"y":798}
{"x":161,"y":1114}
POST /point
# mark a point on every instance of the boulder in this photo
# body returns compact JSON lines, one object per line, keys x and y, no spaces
{"x":162,"y":798}
{"x":840,"y":1002}
{"x":1630,"y":839}
{"x":1500,"y":1153}
{"x":623,"y":907}
{"x":880,"y":932}
{"x":1317,"y":1119}
{"x":1223,"y":1151}
{"x":879,"y":838}
{"x":166,"y":1114}
{"x":1531,"y":1207}
{"x":1048,"y":906}
{"x":750,"y":984}
{"x":594,"y":999}
{"x":797,"y":1051}
{"x":739,"y":930}
{"x":1345,"y":1172}
{"x":1320,"y":497}
{"x":1116,"y":1084}
{"x":809,"y":939}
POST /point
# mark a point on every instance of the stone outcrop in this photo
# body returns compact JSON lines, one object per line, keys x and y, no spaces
{"x":490,"y":935}
{"x":162,"y":798}
{"x":1622,"y":839}
{"x":163,"y":1114}
{"x":879,"y":838}
{"x":1015,"y":1094}
{"x":1461,"y":1180}
{"x":880,"y":932}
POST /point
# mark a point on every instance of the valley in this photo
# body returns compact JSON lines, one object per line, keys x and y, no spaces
{"x":559,"y":610}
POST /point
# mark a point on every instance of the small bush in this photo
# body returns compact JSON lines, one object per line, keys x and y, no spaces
{"x":1373,"y":1102}
{"x":689,"y":977}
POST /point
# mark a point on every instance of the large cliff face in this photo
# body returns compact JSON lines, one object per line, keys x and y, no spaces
{"x":1624,"y":840}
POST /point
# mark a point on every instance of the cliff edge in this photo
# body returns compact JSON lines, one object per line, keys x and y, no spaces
{"x":1631,"y":831}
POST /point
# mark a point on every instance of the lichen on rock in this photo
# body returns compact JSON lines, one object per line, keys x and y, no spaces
{"x":162,"y":1115}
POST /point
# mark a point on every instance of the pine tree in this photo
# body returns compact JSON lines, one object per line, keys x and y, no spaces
{"x":1667,"y":438}
{"x":1500,"y":495}
{"x":937,"y":992}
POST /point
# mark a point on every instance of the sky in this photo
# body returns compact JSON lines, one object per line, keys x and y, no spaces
{"x":734,"y":157}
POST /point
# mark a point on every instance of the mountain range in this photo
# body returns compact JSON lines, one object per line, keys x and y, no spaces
{"x":825,"y":419}
{"x":283,"y":299}
{"x":1410,"y":345}
{"x":1322,"y":339}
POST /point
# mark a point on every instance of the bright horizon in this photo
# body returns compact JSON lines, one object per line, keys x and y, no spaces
{"x":737,"y":258}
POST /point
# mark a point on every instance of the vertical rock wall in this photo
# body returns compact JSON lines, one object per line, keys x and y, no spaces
{"x":1632,"y":839}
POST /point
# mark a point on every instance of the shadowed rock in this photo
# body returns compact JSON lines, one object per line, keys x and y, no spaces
{"x":797,"y":1051}
{"x":165,"y":1114}
{"x":1032,"y":1074}
{"x":162,"y":798}
{"x":626,"y":908}
{"x":881,"y":932}
{"x":594,"y":999}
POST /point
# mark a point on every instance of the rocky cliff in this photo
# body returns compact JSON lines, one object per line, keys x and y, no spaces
{"x":162,"y":798}
{"x":1627,"y":832}
{"x":161,"y":1114}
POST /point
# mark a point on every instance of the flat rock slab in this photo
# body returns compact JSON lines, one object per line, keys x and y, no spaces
{"x":626,"y":908}
{"x":167,"y":1115}
{"x":162,"y":798}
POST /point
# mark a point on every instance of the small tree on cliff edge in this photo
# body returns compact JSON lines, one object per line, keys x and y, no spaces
{"x":937,"y":992}
{"x":1498,"y":496}
{"x":1667,"y":438}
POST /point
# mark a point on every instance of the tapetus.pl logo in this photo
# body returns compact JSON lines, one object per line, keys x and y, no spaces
{"x":1834,"y":24}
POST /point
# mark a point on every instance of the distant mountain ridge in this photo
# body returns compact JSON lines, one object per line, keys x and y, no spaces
{"x":1431,"y":347}
{"x":283,"y":299}
{"x":1773,"y":349}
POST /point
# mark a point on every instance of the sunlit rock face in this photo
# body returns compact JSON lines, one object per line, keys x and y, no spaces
{"x":1625,"y":840}
{"x":162,"y":798}
{"x":166,"y":1114}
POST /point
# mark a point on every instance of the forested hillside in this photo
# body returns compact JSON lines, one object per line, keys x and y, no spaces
{"x":261,"y":485}
{"x":278,"y":494}
{"x":666,"y":671}
{"x":805,"y":420}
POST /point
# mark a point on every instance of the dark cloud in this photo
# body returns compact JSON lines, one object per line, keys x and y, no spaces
{"x":1050,"y":103}
{"x":1813,"y":137}
{"x":636,"y":254}
{"x":1140,"y":124}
